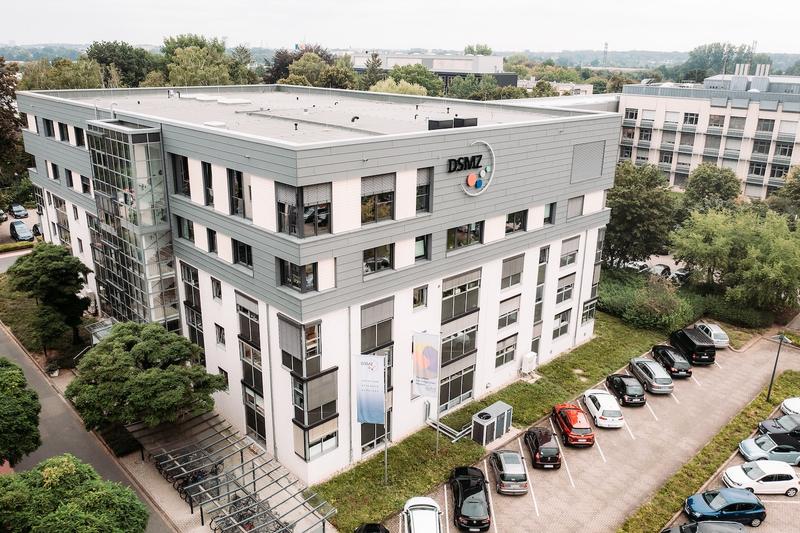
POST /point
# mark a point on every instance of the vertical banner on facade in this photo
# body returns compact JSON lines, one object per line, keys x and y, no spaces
{"x":370,"y":389}
{"x":426,"y":364}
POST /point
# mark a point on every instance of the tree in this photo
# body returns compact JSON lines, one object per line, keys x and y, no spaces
{"x":641,"y":214}
{"x":19,"y":422}
{"x":142,"y":372}
{"x":63,"y":494}
{"x":420,"y":75}
{"x":14,"y":161}
{"x":322,"y":52}
{"x":487,"y":85}
{"x":133,"y":62}
{"x":310,"y":66}
{"x":239,"y":66}
{"x":337,"y":77}
{"x":154,"y":78}
{"x":185,"y":40}
{"x":403,"y":87}
{"x":543,"y":89}
{"x":198,"y":66}
{"x":794,"y":70}
{"x":463,"y":87}
{"x":278,"y":67}
{"x":50,"y":326}
{"x":295,"y":79}
{"x":711,"y":187}
{"x":373,"y":71}
{"x":598,"y":84}
{"x":477,"y":50}
{"x":786,"y":200}
{"x":62,"y":74}
{"x":615,"y":83}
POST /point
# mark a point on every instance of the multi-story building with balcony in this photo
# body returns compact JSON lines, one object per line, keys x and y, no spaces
{"x":286,"y":229}
{"x":747,"y":123}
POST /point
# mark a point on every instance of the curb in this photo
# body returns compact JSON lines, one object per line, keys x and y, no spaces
{"x":133,"y":481}
{"x":749,"y":344}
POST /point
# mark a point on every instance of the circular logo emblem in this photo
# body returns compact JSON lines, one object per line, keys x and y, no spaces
{"x":477,"y":182}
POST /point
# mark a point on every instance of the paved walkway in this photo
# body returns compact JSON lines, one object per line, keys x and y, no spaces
{"x":62,"y":431}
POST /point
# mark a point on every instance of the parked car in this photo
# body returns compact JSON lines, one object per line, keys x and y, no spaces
{"x":695,"y":346}
{"x":706,"y":527}
{"x":672,"y":360}
{"x":763,"y":477}
{"x":19,"y":231}
{"x":371,"y":528}
{"x":421,"y":515}
{"x":470,"y":499}
{"x":17,"y":211}
{"x":680,"y":275}
{"x":573,"y":424}
{"x":543,"y":447}
{"x":626,"y":388}
{"x":732,"y":505}
{"x":787,"y":424}
{"x":603,"y":408}
{"x":715,"y":333}
{"x":660,"y":270}
{"x":776,"y":447}
{"x":791,"y":406}
{"x":509,"y":472}
{"x":3,"y":216}
{"x":651,"y":375}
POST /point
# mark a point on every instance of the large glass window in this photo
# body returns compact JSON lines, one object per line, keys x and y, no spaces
{"x":254,"y":414}
{"x":312,"y":202}
{"x":378,"y":259}
{"x":180,"y":173}
{"x":460,"y":294}
{"x":736,"y":123}
{"x":456,"y":388}
{"x":377,"y":198}
{"x":314,"y":399}
{"x":691,"y":119}
{"x":505,"y":351}
{"x":716,"y":121}
{"x":561,"y":323}
{"x":301,"y":346}
{"x":376,"y":333}
{"x":236,"y":192}
{"x":242,"y":253}
{"x":208,"y":183}
{"x":761,"y":146}
{"x":424,"y":179}
{"x":466,"y":235}
{"x":191,"y":285}
{"x":516,"y":221}
{"x":631,"y":113}
{"x":765,"y":125}
{"x":301,"y":278}
{"x":784,"y":149}
{"x":757,"y":169}
{"x":459,"y":344}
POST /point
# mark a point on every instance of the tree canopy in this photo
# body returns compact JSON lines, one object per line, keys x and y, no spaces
{"x":373,"y":71}
{"x":337,"y":76}
{"x":14,"y":161}
{"x":132,"y":62}
{"x":711,"y":187}
{"x":477,"y":50}
{"x":62,"y":74}
{"x":19,"y":414}
{"x":419,"y":75}
{"x":198,"y":66}
{"x":310,"y":66}
{"x":142,"y":372}
{"x":63,"y":495}
{"x":403,"y":87}
{"x":186,"y":40}
{"x":642,"y":214}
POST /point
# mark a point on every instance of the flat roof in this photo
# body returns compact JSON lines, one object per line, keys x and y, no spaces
{"x":301,"y":115}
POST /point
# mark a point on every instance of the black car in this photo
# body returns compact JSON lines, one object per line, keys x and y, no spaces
{"x":706,"y":527}
{"x":672,"y":360}
{"x":694,"y":345}
{"x":788,"y":425}
{"x":470,"y":499}
{"x":544,"y":449}
{"x":626,"y":388}
{"x":37,"y":230}
{"x":371,"y":528}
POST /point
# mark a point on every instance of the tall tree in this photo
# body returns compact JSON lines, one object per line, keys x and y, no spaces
{"x":133,"y":62}
{"x":278,"y":67}
{"x":543,"y":89}
{"x":154,"y":78}
{"x":373,"y":71}
{"x":641,"y":214}
{"x":295,"y":79}
{"x":14,"y":161}
{"x":63,"y":494}
{"x":420,"y":75}
{"x":786,"y":200}
{"x":403,"y":87}
{"x":477,"y":49}
{"x":711,"y":187}
{"x":337,"y":76}
{"x":62,"y":74}
{"x":19,"y":422}
{"x":309,"y":65}
{"x":241,"y":58}
{"x":185,"y":40}
{"x":198,"y":66}
{"x":142,"y":372}
{"x":463,"y":87}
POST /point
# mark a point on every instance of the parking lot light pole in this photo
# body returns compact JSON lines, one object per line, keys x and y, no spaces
{"x":782,"y":339}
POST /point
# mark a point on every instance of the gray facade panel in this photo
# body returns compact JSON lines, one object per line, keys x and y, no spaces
{"x":62,"y":191}
{"x":61,"y":153}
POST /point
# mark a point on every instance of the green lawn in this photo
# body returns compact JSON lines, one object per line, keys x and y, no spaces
{"x":359,"y":494}
{"x":668,"y":499}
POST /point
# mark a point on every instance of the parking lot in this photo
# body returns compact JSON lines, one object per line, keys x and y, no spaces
{"x":598,"y":487}
{"x":5,"y":236}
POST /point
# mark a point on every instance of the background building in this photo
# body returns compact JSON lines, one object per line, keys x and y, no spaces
{"x":285,"y":229}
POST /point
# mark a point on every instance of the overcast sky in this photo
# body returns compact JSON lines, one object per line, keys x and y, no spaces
{"x":550,"y":25}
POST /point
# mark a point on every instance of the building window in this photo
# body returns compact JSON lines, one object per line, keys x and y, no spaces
{"x":665,"y":157}
{"x":671,"y":117}
{"x":505,"y":351}
{"x":588,"y":311}
{"x":456,"y":388}
{"x":315,"y":399}
{"x":601,"y":237}
{"x":254,"y":414}
{"x":68,"y":176}
{"x":322,"y":445}
{"x":312,"y":203}
{"x":466,"y":235}
{"x":220,"y":333}
{"x":377,"y":198}
{"x":758,"y":169}
{"x":535,"y":344}
{"x":212,"y":240}
{"x":550,"y":213}
{"x":516,"y":221}
{"x":691,"y":119}
{"x":508,"y":313}
{"x":761,"y":147}
{"x":784,"y":149}
{"x":687,"y":140}
{"x":194,"y":325}
{"x":736,"y":123}
{"x":628,"y":133}
{"x":63,"y":131}
{"x":625,"y":152}
{"x":86,"y":187}
{"x":424,"y":178}
{"x":373,"y":435}
{"x":80,"y":246}
{"x":569,"y":251}
{"x":460,"y":294}
{"x":716,"y":121}
{"x":422,"y":248}
{"x":778,"y":171}
{"x":191,"y":285}
{"x":301,"y":348}
{"x":713,"y":142}
{"x":378,"y":259}
{"x":80,"y":139}
{"x":55,"y":171}
{"x":208,"y":183}
{"x":561,"y":323}
{"x":224,"y":373}
{"x":420,"y":297}
{"x":645,"y":134}
{"x":574,"y":207}
{"x":236,"y":192}
{"x":75,"y":212}
{"x":565,"y":287}
{"x":49,"y":131}
{"x":300,"y":278}
{"x":216,"y":288}
{"x":765,"y":125}
{"x":185,"y":228}
{"x":242,"y":254}
{"x":459,"y":344}
{"x":512,"y":271}
{"x":631,"y":114}
{"x":180,"y":172}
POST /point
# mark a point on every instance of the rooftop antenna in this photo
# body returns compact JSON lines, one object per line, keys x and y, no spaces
{"x":605,"y":54}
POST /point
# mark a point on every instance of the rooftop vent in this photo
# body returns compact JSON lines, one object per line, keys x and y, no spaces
{"x":460,"y":122}
{"x":439,"y":124}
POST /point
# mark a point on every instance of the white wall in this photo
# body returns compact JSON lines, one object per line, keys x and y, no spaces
{"x":494,"y":229}
{"x":404,"y":253}
{"x":346,"y":196}
{"x":264,"y":213}
{"x":405,"y":205}
{"x":197,"y":190}
{"x":219,"y":182}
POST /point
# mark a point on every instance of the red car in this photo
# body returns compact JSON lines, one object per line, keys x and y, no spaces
{"x":573,"y":424}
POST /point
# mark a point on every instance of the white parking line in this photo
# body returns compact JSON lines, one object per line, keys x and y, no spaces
{"x":718,"y":365}
{"x":489,"y":492}
{"x":599,"y":449}
{"x":446,"y":513}
{"x":528,"y":475}
{"x":651,"y":411}
{"x":695,"y":380}
{"x":402,"y":524}
{"x":779,"y":501}
{"x":674,"y":397}
{"x":625,"y":423}
{"x":563,"y":455}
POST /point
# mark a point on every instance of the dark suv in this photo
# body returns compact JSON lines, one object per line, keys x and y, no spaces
{"x":470,"y":499}
{"x":626,"y":388}
{"x":672,"y":360}
{"x":695,"y":346}
{"x":543,"y":447}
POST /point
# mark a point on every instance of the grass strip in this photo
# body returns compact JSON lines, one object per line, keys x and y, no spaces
{"x":12,"y":246}
{"x":668,"y":500}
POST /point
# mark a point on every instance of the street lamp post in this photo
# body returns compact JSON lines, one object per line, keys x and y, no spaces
{"x":782,"y":338}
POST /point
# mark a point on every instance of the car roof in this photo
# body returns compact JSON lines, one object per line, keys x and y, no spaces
{"x":775,"y":467}
{"x":657,"y":369}
{"x":512,"y":461}
{"x":738,"y":496}
{"x":713,"y":327}
{"x":421,"y":501}
{"x":628,"y":380}
{"x":574,"y":413}
{"x":606,"y":400}
{"x":467,"y":473}
{"x":719,"y":527}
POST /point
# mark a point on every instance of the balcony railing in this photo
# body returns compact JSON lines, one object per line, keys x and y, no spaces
{"x":767,"y":135}
{"x":730,"y":154}
{"x":682,"y":167}
{"x":668,"y":146}
{"x":665,"y":166}
{"x":685,"y":148}
{"x":714,"y":130}
{"x":713,"y":152}
{"x":755,"y":178}
{"x":625,"y":141}
{"x":735,"y":133}
{"x":672,"y":126}
{"x":646,"y":123}
{"x":629,"y":122}
{"x":643,"y":144}
{"x":689,"y":127}
{"x":786,"y":137}
{"x":781,"y":159}
{"x":756,"y":156}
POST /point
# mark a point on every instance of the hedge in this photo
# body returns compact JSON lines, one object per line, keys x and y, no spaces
{"x":12,"y":246}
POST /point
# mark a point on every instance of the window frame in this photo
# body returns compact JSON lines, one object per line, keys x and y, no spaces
{"x":519,"y":221}
{"x":417,"y":303}
{"x":372,"y":254}
{"x":501,"y":355}
{"x":242,"y":254}
{"x":296,"y":276}
{"x":426,"y":239}
{"x":561,"y":323}
{"x":550,"y":213}
{"x":468,"y":229}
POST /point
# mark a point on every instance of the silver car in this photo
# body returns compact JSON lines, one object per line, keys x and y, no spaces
{"x":716,"y":334}
{"x":772,"y":448}
{"x":509,"y":472}
{"x":651,"y":375}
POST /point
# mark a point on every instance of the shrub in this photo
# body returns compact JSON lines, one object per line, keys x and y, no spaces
{"x":737,"y":315}
{"x":652,"y":304}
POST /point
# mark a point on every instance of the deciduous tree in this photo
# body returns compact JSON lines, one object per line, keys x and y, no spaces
{"x":478,"y":49}
{"x":310,"y":65}
{"x":295,"y":79}
{"x":198,"y":66}
{"x":337,"y":77}
{"x":133,"y":62}
{"x":185,"y":40}
{"x":711,"y":187}
{"x":403,"y":87}
{"x":419,"y":75}
{"x":19,"y":414}
{"x":154,"y":78}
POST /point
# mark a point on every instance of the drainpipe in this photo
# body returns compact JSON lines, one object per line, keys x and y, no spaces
{"x":580,"y":288}
{"x":271,"y":391}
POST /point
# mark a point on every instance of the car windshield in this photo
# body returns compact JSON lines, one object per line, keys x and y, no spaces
{"x":680,"y":364}
{"x":765,"y":442}
{"x":715,"y":500}
{"x":752,"y":470}
{"x":513,"y":478}
{"x":548,"y":452}
{"x":611,"y":413}
{"x":786,"y":422}
{"x":581,"y":431}
{"x":474,"y":505}
{"x":635,"y":389}
{"x":720,"y":336}
{"x":663,"y":381}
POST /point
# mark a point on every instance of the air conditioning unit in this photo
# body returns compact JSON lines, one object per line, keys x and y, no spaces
{"x":528,"y":362}
{"x":491,"y":423}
